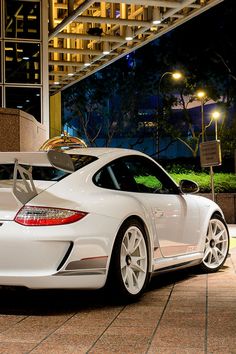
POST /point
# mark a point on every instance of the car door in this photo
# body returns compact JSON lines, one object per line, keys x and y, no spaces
{"x":175,"y":216}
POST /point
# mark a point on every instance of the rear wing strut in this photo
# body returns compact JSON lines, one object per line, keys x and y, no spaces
{"x":27,"y":191}
{"x":24,"y":188}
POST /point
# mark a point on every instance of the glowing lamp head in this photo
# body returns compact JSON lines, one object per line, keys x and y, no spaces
{"x":129,"y":34}
{"x":177,"y":75}
{"x":201,"y":94}
{"x":216,"y":115}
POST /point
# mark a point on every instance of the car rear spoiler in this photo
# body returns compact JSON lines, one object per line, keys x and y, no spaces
{"x":24,"y":188}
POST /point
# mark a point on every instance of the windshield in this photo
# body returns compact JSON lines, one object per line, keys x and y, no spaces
{"x":47,"y":173}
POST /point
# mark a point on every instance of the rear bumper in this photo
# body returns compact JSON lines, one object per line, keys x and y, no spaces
{"x":56,"y":281}
{"x":68,"y":256}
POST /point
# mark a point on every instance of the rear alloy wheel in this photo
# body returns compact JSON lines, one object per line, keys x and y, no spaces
{"x":216,"y":245}
{"x":129,"y":265}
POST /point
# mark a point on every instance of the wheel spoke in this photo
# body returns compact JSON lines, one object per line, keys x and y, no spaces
{"x":124,"y":274}
{"x":210,"y":232}
{"x":214,"y":229}
{"x":207,"y":253}
{"x":124,"y":250}
{"x":219,"y":235}
{"x":136,"y":266}
{"x":210,"y":257}
{"x":137,"y":244}
{"x":122,"y":262}
{"x":129,"y":279}
{"x":131,"y":240}
{"x":123,"y":255}
{"x":135,"y":280}
{"x":219,"y":251}
{"x":207,"y":242}
{"x":215,"y":255}
{"x":221,"y":241}
{"x":134,"y":241}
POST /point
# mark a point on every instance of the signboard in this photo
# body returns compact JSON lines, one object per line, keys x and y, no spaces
{"x":210,"y":153}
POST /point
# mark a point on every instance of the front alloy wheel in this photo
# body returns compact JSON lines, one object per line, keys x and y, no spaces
{"x":133,"y":260}
{"x":216,"y":245}
{"x":129,"y":264}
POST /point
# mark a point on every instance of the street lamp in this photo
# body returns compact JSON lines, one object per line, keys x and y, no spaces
{"x":216,"y":116}
{"x":175,"y":75}
{"x":201,"y":95}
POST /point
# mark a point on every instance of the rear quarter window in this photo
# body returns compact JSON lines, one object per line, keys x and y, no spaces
{"x":47,"y":173}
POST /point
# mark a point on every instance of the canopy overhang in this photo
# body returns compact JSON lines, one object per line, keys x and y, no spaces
{"x":86,"y":36}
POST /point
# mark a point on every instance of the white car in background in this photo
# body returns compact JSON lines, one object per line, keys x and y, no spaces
{"x":87,"y":217}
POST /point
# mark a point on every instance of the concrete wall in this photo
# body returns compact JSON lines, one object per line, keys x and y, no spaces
{"x":19,"y":131}
{"x":227,"y":202}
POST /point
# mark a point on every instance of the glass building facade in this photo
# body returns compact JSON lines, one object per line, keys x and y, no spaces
{"x":24,"y":57}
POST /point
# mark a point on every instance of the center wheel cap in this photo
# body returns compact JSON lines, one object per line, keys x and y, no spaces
{"x":212,"y":243}
{"x":128,"y":259}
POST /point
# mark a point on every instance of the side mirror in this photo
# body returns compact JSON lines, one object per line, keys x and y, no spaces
{"x":187,"y":186}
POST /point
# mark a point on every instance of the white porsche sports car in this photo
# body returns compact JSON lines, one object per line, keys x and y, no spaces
{"x":86,"y":217}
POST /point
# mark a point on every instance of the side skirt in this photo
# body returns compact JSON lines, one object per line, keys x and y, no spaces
{"x":178,"y":262}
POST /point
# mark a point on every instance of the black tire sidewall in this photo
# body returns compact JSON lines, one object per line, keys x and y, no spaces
{"x":115,"y":279}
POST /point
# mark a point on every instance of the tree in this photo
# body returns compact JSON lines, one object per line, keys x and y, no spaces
{"x":86,"y":106}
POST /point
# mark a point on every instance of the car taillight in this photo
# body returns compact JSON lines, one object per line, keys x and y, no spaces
{"x":43,"y":216}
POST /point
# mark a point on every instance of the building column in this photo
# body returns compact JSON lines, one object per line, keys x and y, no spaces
{"x":55,"y":115}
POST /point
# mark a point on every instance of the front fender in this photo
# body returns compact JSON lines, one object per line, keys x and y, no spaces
{"x":207,"y":209}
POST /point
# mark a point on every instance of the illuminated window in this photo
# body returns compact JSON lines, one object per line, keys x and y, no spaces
{"x":22,"y":19}
{"x":22,"y":63}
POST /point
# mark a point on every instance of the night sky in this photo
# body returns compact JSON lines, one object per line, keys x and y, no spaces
{"x":212,"y":31}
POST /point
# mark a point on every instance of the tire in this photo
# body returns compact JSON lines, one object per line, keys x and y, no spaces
{"x":216,"y":245}
{"x":129,"y":267}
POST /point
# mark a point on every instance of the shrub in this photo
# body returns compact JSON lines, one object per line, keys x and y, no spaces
{"x":223,"y":182}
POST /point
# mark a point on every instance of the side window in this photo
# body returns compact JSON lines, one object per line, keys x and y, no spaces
{"x":135,"y":174}
{"x":116,"y":176}
{"x":124,"y":177}
{"x":148,"y":176}
{"x":103,"y":179}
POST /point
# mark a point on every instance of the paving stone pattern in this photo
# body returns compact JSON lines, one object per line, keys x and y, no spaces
{"x":182,"y":312}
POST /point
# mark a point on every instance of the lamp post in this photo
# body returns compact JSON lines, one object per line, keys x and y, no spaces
{"x":216,"y":116}
{"x":175,"y":75}
{"x":201,"y":95}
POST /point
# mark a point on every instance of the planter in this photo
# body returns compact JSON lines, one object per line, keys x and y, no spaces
{"x":227,"y":202}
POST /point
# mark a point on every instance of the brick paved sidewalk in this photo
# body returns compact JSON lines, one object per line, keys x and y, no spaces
{"x":182,"y":312}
